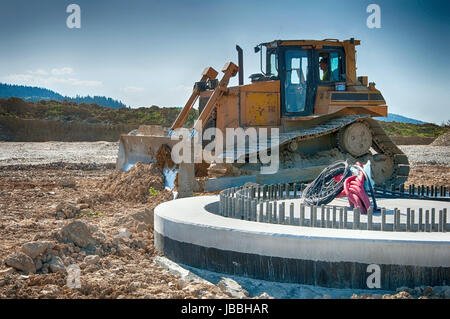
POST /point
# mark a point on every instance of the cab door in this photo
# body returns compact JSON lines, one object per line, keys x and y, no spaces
{"x":296,"y":78}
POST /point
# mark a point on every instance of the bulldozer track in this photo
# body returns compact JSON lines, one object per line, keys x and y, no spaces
{"x":328,"y":127}
{"x":384,"y":143}
{"x":380,"y":142}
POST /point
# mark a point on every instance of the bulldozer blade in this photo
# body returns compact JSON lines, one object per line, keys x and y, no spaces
{"x":140,"y":148}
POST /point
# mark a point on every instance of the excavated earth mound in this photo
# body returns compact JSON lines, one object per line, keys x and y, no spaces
{"x":139,"y":184}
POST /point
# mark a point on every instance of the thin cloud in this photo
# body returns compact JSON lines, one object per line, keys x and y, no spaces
{"x":132,"y":89}
{"x":38,"y":72}
{"x":182,"y":87}
{"x":62,"y":71}
{"x":40,"y":78}
{"x":77,"y":82}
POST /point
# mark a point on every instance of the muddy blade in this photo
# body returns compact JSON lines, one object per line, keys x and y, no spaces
{"x":144,"y":149}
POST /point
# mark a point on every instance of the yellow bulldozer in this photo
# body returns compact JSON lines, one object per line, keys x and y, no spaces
{"x":309,"y":91}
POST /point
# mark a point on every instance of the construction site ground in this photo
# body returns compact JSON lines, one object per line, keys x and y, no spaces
{"x":69,"y":198}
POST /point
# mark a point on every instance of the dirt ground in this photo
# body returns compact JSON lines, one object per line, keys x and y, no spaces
{"x":429,"y":175}
{"x":29,"y":197}
{"x":49,"y":203}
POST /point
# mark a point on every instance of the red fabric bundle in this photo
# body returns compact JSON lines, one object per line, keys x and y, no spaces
{"x":354,"y":190}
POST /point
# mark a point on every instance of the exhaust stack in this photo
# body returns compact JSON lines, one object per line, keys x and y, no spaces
{"x":240,"y":64}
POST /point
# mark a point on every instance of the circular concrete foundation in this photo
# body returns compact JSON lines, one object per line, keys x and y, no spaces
{"x":191,"y":232}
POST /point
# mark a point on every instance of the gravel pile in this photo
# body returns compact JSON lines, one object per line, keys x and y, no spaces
{"x":427,"y":154}
{"x":443,"y":140}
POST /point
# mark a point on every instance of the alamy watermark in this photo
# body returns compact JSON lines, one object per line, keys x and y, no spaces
{"x":237,"y":145}
{"x":74,"y":19}
{"x":374,"y":19}
{"x":374,"y":279}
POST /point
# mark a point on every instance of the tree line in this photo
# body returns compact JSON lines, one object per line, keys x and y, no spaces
{"x":35,"y":94}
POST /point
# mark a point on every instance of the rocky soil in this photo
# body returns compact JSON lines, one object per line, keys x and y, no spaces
{"x":52,"y":218}
{"x":422,"y":292}
{"x":429,"y":175}
{"x":68,"y":211}
{"x":430,"y":164}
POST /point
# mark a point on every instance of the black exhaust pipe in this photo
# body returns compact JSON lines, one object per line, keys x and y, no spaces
{"x":240,"y":64}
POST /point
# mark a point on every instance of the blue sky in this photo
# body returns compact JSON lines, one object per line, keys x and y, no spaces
{"x":152,"y":52}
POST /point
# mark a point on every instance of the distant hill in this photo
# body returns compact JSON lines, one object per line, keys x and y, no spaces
{"x":35,"y":94}
{"x":399,"y":118}
{"x":411,"y":129}
{"x":67,"y":111}
{"x":71,"y":111}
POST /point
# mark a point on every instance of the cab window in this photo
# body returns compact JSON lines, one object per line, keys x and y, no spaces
{"x":273,"y":64}
{"x":331,"y":67}
{"x":295,"y":83}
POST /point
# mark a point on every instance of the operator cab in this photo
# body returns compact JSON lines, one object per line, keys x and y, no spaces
{"x":302,"y":66}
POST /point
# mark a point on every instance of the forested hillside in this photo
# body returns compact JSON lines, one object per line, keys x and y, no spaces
{"x":35,"y":94}
{"x":91,"y":113}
